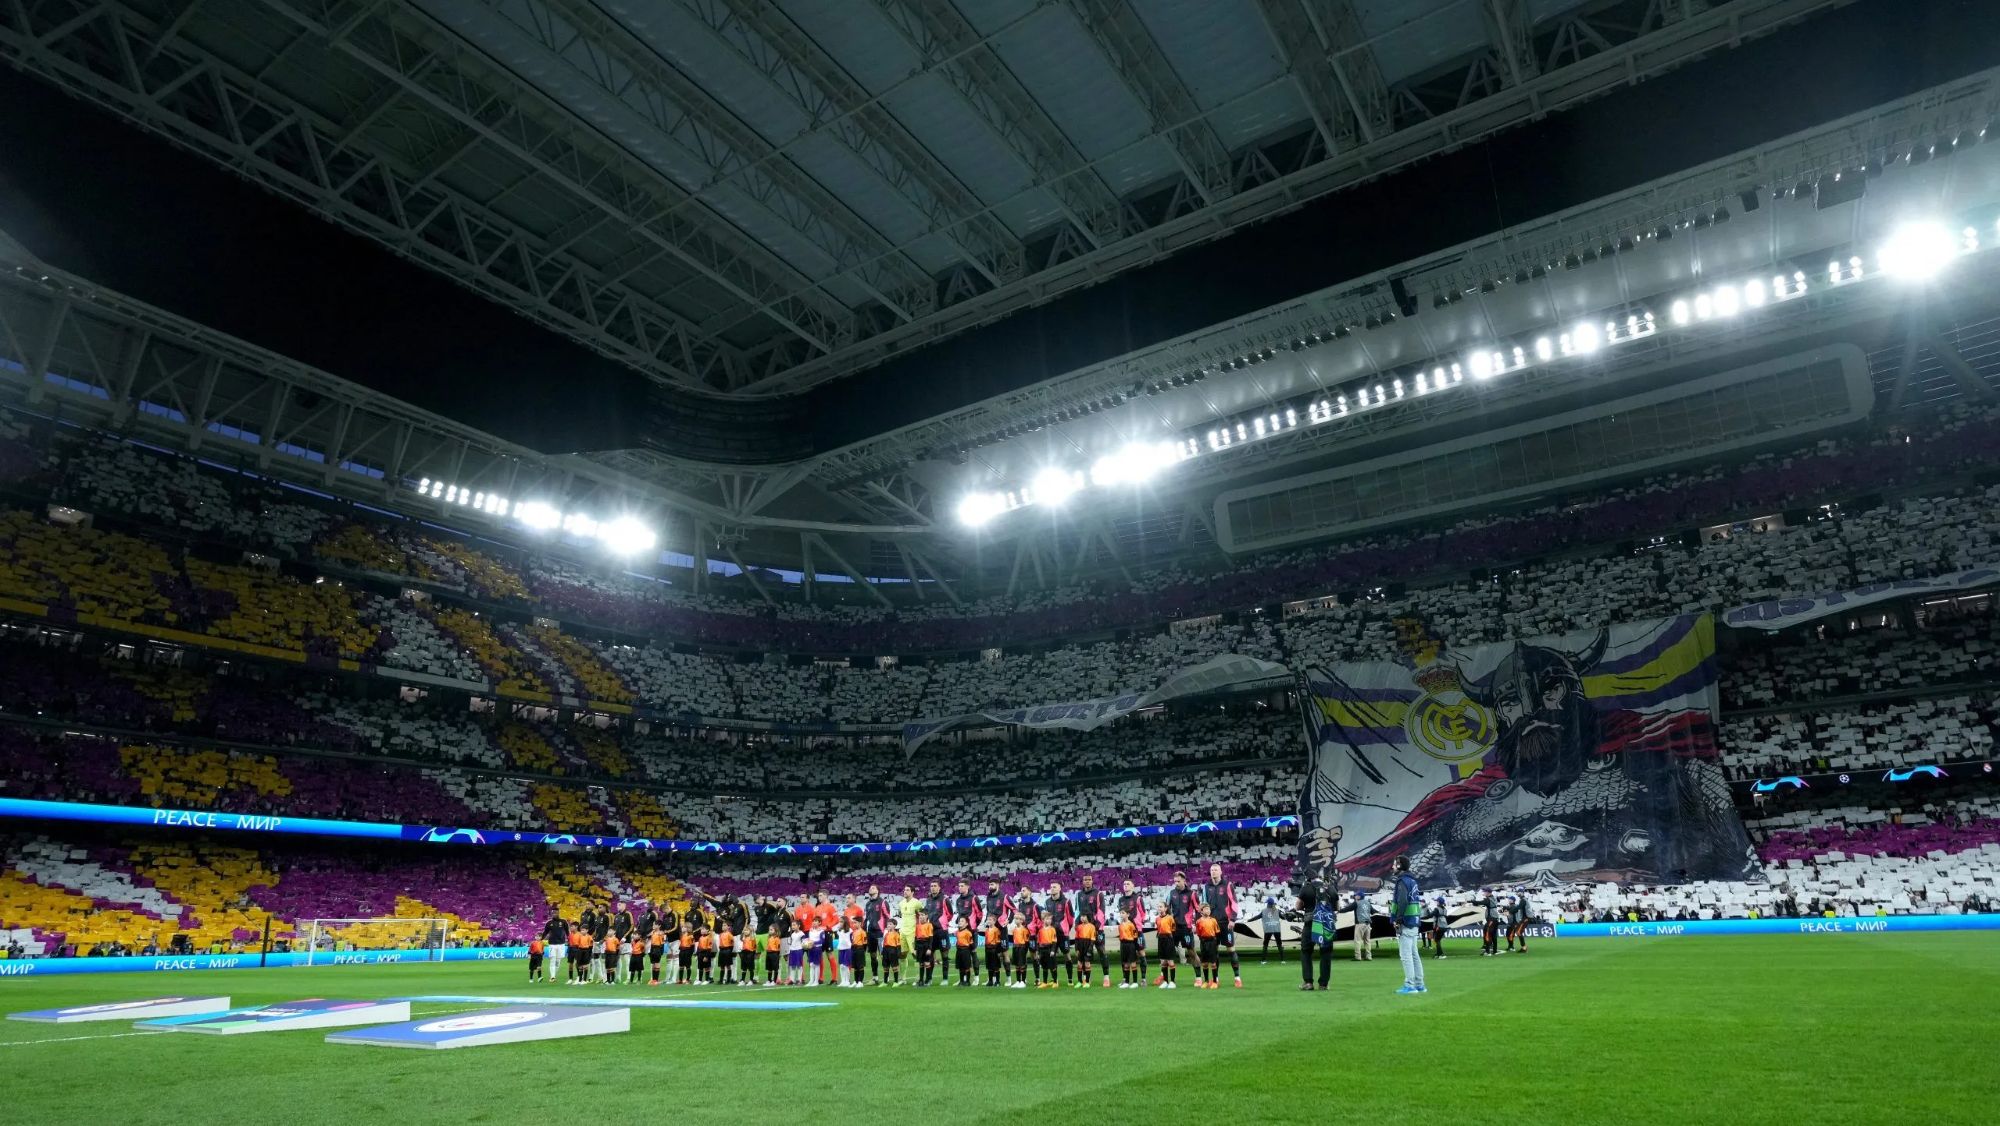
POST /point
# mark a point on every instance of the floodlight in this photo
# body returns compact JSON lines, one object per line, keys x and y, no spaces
{"x":1544,"y":349}
{"x":1053,"y":486}
{"x":1481,"y":364}
{"x":1587,"y":337}
{"x":627,"y":536}
{"x":1727,"y":301}
{"x":978,"y":508}
{"x":539,"y":515}
{"x":1917,"y":251}
{"x":578,"y":524}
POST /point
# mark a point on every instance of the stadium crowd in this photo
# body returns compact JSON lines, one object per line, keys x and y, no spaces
{"x":237,"y":570}
{"x":1889,"y":504}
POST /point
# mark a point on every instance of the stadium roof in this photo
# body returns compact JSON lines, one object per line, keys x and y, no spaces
{"x":1829,"y":195}
{"x":347,"y":108}
{"x":749,"y":198}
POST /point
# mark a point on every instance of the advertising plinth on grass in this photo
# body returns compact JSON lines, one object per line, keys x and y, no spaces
{"x":143,"y":1009}
{"x":286,"y":1016}
{"x":512,"y":1025}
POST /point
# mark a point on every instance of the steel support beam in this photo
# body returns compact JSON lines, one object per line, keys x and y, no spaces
{"x":749,"y":575}
{"x":814,"y":538}
{"x":1136,"y":56}
{"x":949,"y":44}
{"x":923,"y":558}
{"x":604,"y":54}
{"x":431,"y":65}
{"x":1330,"y":59}
{"x":1510,"y":28}
{"x":1417,"y":135}
{"x":1961,"y":372}
{"x":766,"y":38}
{"x":199,"y":101}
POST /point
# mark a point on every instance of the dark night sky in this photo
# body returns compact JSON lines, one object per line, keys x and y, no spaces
{"x":106,"y":201}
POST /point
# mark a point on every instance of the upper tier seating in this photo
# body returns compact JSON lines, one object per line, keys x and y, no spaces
{"x":1902,"y":454}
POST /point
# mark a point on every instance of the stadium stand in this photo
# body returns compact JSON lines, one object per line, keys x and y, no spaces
{"x":1875,"y":463}
{"x":1857,"y":696}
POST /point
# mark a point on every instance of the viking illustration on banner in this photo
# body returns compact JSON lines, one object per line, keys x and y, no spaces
{"x":1590,"y":756}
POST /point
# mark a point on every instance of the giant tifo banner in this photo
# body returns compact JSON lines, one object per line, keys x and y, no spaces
{"x":1215,"y":675}
{"x":1589,"y":756}
{"x":1783,"y":613}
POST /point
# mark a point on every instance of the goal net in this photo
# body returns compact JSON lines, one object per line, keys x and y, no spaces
{"x":322,"y":941}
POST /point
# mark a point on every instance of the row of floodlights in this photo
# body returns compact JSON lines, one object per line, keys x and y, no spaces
{"x":621,"y":535}
{"x":1915,"y":252}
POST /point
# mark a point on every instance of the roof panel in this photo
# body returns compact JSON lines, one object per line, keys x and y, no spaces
{"x":942,"y":122}
{"x":1063,"y":68}
{"x":1268,"y":111}
{"x":1220,"y":48}
{"x":839,"y":171}
{"x":1140,"y":165}
{"x":1414,"y":36}
{"x":989,"y":16}
{"x":1029,"y":212}
{"x":628,"y":129}
{"x":1539,"y":10}
{"x":713,"y":65}
{"x":856,"y":36}
{"x":560,"y":83}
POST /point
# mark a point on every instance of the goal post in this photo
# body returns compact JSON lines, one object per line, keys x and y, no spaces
{"x":319,"y":941}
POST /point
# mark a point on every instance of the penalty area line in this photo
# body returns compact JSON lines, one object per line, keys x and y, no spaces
{"x":70,"y":1039}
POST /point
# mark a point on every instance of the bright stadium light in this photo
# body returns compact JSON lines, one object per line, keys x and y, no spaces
{"x":627,"y":536}
{"x":1917,"y":251}
{"x":538,"y":515}
{"x":1135,"y":464}
{"x":1587,"y":337}
{"x":978,"y":508}
{"x":1053,"y":486}
{"x":1481,"y":364}
{"x":578,"y":524}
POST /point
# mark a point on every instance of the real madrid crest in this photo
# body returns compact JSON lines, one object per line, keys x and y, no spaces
{"x":1443,"y":722}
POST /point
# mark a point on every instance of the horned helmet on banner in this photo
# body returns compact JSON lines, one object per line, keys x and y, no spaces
{"x":1548,"y":731}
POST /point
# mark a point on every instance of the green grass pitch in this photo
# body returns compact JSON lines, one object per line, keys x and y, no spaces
{"x":1741,"y":1030}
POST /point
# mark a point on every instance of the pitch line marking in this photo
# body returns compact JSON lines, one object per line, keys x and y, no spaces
{"x":68,"y":1039}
